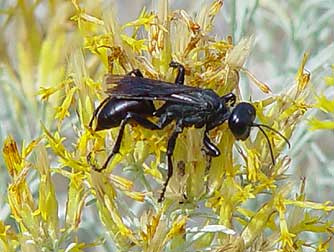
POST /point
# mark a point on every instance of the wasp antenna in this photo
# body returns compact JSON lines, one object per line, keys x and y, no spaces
{"x":270,"y":148}
{"x":277,"y":132}
{"x":266,"y":136}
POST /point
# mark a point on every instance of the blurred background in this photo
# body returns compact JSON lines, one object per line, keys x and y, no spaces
{"x":283,"y":31}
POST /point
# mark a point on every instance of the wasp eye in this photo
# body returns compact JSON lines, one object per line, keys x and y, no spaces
{"x":241,"y":120}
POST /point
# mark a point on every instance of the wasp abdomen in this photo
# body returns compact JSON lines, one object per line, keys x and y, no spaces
{"x":115,"y":110}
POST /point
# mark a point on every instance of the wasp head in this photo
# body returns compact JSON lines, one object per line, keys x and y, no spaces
{"x":241,"y":120}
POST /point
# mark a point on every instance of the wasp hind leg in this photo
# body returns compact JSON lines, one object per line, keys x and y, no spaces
{"x":142,"y":121}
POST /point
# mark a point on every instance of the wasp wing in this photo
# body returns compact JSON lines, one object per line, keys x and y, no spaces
{"x":138,"y":88}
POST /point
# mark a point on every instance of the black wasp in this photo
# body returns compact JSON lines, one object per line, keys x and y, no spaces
{"x":130,"y":99}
